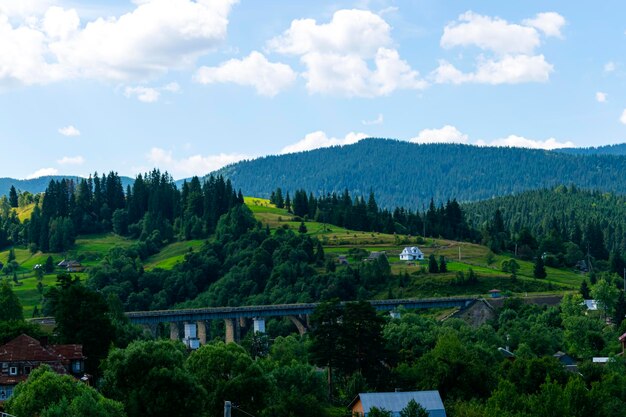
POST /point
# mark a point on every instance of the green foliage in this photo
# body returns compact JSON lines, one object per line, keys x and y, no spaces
{"x":82,"y":316}
{"x":606,"y":295}
{"x":10,"y":306}
{"x":48,"y":394}
{"x":150,"y":379}
{"x":413,"y":409}
{"x":433,"y":268}
{"x":539,"y":270}
{"x":379,"y":412}
{"x":227,"y":372}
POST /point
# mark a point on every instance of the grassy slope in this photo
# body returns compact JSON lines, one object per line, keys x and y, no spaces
{"x":338,"y":241}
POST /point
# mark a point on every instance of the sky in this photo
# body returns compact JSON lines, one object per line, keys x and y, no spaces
{"x":189,"y":86}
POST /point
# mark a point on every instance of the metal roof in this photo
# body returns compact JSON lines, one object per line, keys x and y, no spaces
{"x":396,"y":401}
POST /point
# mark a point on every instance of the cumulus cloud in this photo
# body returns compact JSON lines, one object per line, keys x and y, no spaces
{"x":352,"y":55}
{"x":601,"y":97}
{"x":550,"y":23}
{"x":71,"y":160}
{"x":377,"y":121}
{"x":69,"y":131}
{"x":623,"y":117}
{"x":154,"y":38}
{"x":487,"y":33}
{"x":143,"y":94}
{"x":43,"y":172}
{"x":319,"y":139}
{"x":610,"y":66}
{"x":509,"y":55}
{"x":522,"y":142}
{"x":450,"y":134}
{"x":268,"y":78}
{"x":193,"y":165}
{"x":150,"y":94}
{"x":447,"y":134}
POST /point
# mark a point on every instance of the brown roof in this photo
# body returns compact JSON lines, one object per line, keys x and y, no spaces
{"x":70,"y":352}
{"x":25,"y":348}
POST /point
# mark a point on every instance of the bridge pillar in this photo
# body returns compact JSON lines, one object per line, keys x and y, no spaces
{"x":259,"y":325}
{"x":152,"y":328}
{"x":174,"y":331}
{"x":302,"y":328}
{"x":201,"y":331}
{"x":230,"y":324}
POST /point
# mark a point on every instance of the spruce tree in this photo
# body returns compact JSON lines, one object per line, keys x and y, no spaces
{"x":585,"y":291}
{"x":13,"y":200}
{"x":433,"y":268}
{"x":539,"y":271}
{"x":443,"y":267}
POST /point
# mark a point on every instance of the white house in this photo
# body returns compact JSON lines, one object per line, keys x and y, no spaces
{"x":412,"y":253}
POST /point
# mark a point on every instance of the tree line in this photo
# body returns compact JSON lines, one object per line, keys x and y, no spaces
{"x":152,"y":210}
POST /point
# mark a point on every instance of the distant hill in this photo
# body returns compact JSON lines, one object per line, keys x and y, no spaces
{"x":617,"y":149}
{"x":407,"y":174}
{"x":38,"y":185}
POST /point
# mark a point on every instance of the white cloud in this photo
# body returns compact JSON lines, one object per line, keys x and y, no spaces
{"x":522,"y":142}
{"x":172,"y":87}
{"x":143,"y":94}
{"x":352,"y":55}
{"x":450,"y":134}
{"x":489,"y":33}
{"x":193,"y":165}
{"x":506,"y":70}
{"x":623,"y":117}
{"x":268,"y":78}
{"x":154,"y":38}
{"x":509,"y":56}
{"x":150,"y":94}
{"x":24,"y":8}
{"x":43,"y":172}
{"x":610,"y":66}
{"x":601,"y":97}
{"x":377,"y":121}
{"x":319,"y":139}
{"x":550,"y":23}
{"x":447,"y":134}
{"x":71,"y":160}
{"x":69,"y":131}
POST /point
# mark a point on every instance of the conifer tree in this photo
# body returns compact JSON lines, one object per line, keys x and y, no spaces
{"x":539,"y":270}
{"x":443,"y":267}
{"x":13,"y":200}
{"x":433,"y":268}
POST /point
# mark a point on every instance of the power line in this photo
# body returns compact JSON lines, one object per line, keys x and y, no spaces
{"x":243,"y":411}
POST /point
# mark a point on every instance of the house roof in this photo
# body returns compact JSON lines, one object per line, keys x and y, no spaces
{"x":591,"y":305}
{"x":396,"y":401}
{"x":494,"y":291}
{"x":411,"y":249}
{"x":27,"y":349}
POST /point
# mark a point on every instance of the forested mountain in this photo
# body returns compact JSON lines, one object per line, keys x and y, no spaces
{"x":593,"y":220}
{"x":408,"y":175}
{"x":617,"y":149}
{"x":39,"y":185}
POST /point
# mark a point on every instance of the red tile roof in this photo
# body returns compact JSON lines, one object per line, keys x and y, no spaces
{"x":25,"y":348}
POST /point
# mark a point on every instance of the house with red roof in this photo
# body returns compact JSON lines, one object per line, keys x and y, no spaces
{"x":21,"y":355}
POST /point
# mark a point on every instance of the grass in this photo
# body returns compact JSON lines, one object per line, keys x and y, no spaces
{"x":461,"y":256}
{"x":25,"y":212}
{"x":171,"y":254}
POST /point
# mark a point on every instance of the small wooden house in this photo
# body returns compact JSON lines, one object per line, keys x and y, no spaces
{"x":411,"y":253}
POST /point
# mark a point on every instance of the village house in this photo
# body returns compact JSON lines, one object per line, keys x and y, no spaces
{"x":71,"y":266}
{"x":373,"y":256}
{"x":411,"y":253}
{"x":396,"y":402}
{"x":21,"y":355}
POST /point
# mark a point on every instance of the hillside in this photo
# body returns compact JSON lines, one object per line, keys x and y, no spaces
{"x":568,"y":208}
{"x":406,"y":174}
{"x":38,"y":185}
{"x":616,"y":149}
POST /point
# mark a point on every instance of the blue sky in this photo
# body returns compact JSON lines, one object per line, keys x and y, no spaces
{"x":191,"y":85}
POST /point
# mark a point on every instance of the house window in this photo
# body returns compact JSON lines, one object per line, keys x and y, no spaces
{"x":77,"y":366}
{"x":27,"y":370}
{"x":13,"y":370}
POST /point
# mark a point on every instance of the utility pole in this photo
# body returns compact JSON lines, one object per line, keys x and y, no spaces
{"x":459,"y":253}
{"x":624,"y":279}
{"x":227,"y":408}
